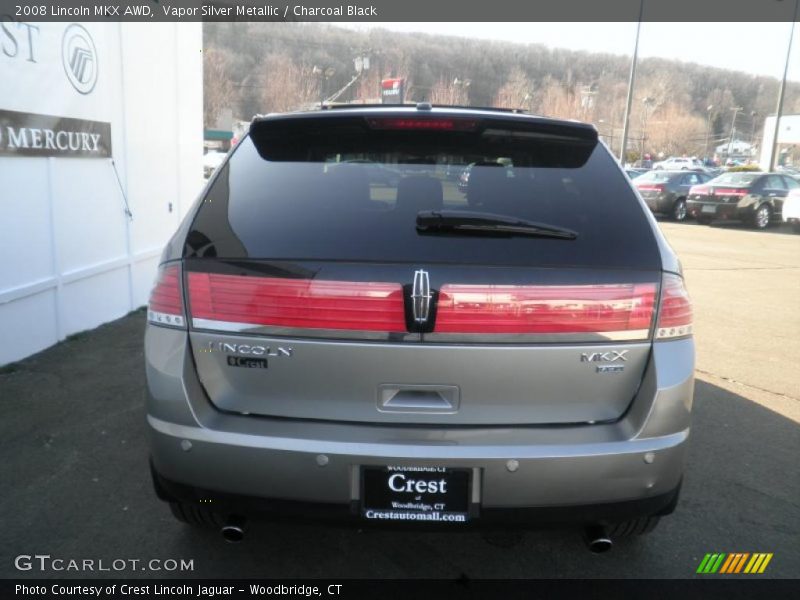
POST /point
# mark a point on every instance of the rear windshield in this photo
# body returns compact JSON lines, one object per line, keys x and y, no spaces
{"x":655,"y":177}
{"x":736,"y":178}
{"x":355,"y":196}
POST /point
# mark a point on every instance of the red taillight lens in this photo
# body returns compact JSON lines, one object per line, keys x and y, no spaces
{"x":650,"y":188}
{"x":675,"y":313}
{"x":166,"y":300}
{"x":732,"y":191}
{"x":426,"y":124}
{"x":624,"y":309}
{"x":698,"y":189}
{"x":219,"y":301}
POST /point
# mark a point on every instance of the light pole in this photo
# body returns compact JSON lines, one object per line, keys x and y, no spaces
{"x":631,"y":81}
{"x":708,"y":128}
{"x":324,"y":75}
{"x":735,"y":110}
{"x":647,"y":102}
{"x":773,"y":153}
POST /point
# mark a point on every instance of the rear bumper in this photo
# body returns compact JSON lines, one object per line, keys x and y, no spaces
{"x":635,"y":462}
{"x":272,"y":508}
{"x":720,"y":210}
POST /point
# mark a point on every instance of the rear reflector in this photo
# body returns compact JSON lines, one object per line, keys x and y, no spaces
{"x":166,"y":301}
{"x":675,"y":315}
{"x":232,"y":302}
{"x":426,"y":124}
{"x":624,"y":309}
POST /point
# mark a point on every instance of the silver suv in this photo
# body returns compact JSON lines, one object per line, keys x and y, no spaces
{"x":338,"y":329}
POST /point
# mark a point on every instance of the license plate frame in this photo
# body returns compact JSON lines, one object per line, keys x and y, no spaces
{"x":385,"y":494}
{"x":708,"y":209}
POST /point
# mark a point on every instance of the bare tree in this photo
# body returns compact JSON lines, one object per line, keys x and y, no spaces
{"x":219,"y":93}
{"x":449,"y":90}
{"x":516,"y":92}
{"x":287,"y":85}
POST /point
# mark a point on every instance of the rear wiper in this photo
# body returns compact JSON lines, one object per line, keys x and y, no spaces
{"x":468,"y":221}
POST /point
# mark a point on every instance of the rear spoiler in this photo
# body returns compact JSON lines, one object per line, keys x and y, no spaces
{"x":310,"y":136}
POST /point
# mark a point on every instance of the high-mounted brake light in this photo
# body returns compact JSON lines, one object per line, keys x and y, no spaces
{"x":675,"y":313}
{"x":429,"y":124}
{"x":166,"y":300}
{"x":234,"y":303}
{"x":620,"y":311}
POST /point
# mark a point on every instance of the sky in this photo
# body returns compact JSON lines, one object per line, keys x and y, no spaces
{"x":755,"y":48}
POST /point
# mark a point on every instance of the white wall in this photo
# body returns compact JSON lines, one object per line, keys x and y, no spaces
{"x":788,"y":133}
{"x":70,"y":258}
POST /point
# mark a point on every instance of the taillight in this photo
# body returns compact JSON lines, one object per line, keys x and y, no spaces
{"x":650,"y":188}
{"x":675,"y":312}
{"x":732,"y":191}
{"x":621,"y":311}
{"x":166,"y":300}
{"x":430,"y":124}
{"x":698,"y":190}
{"x":233,"y":302}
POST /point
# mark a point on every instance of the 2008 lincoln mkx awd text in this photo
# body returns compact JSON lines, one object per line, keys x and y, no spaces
{"x":326,"y":340}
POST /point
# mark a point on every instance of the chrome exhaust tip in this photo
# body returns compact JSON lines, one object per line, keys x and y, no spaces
{"x":597,"y":539}
{"x":233,"y":530}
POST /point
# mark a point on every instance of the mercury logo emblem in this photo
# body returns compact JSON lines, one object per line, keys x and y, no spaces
{"x":79,"y":57}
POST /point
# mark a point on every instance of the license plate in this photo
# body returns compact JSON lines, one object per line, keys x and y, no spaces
{"x":428,"y":494}
{"x":708,"y":208}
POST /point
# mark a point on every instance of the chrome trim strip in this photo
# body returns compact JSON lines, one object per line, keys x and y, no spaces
{"x":633,"y":335}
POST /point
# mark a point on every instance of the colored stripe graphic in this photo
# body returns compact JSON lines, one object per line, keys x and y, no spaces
{"x":734,"y":563}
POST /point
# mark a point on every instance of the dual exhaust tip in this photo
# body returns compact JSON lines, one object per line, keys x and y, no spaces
{"x":595,"y":536}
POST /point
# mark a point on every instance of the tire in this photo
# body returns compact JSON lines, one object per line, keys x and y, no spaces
{"x":197,"y":516}
{"x":638,"y":526}
{"x":679,"y":211}
{"x":761,"y":217}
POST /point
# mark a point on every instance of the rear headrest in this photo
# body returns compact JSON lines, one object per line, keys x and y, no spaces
{"x":419,"y":193}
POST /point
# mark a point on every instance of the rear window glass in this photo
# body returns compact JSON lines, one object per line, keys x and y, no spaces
{"x":736,"y":178}
{"x":654,"y":177}
{"x":351,"y":199}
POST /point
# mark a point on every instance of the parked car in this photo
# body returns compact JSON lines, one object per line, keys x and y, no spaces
{"x":753,"y":197}
{"x":675,"y":163}
{"x":791,"y":209}
{"x":211,"y":160}
{"x":523,"y":356}
{"x":665,"y":192}
{"x":633,"y":173}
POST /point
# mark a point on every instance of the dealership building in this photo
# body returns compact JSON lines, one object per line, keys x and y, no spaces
{"x":101,"y":145}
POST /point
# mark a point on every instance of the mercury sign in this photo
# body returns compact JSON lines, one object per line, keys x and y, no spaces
{"x":392,"y":91}
{"x":28,"y":134}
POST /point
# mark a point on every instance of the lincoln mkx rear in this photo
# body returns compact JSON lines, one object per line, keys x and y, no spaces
{"x":339,"y":328}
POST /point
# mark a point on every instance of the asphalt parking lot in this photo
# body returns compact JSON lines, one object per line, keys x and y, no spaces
{"x":76,"y":483}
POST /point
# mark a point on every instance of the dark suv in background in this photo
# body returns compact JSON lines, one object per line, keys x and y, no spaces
{"x":405,"y":352}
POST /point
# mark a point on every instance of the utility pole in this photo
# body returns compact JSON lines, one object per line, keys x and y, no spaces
{"x":735,"y":110}
{"x":631,"y":81}
{"x":708,"y":128}
{"x":773,"y":153}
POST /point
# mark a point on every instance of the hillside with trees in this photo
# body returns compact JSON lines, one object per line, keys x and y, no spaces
{"x":255,"y":68}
